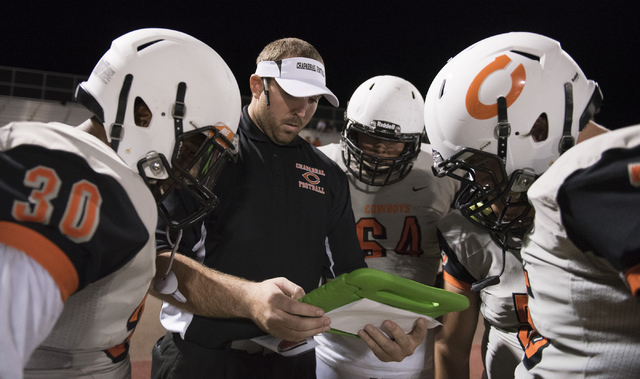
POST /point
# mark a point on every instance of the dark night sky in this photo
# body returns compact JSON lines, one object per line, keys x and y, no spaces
{"x":357,"y":39}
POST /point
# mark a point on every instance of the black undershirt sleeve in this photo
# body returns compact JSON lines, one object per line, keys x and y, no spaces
{"x":600,"y":207}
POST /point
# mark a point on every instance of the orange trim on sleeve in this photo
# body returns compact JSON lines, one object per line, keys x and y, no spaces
{"x":117,"y":353}
{"x":455,"y":282}
{"x":43,"y":251}
{"x":633,"y":278}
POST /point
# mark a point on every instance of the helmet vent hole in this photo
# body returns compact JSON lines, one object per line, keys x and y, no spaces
{"x":540,"y":129}
{"x":370,"y":88}
{"x":528,"y":55}
{"x":441,"y":93}
{"x":144,"y":46}
{"x":413,"y":95}
{"x":141,"y":113}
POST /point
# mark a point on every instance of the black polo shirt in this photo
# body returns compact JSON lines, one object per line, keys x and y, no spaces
{"x":284,"y":211}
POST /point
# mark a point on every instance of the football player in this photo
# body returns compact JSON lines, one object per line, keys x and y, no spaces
{"x":79,"y":206}
{"x":582,"y":262}
{"x":397,"y":201}
{"x":498,"y":115}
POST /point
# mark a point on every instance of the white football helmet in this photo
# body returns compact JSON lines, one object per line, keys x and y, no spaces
{"x":480,"y":113}
{"x":389,"y":108}
{"x":194,"y":101}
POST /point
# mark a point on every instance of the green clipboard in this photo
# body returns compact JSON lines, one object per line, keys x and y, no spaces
{"x":387,"y":289}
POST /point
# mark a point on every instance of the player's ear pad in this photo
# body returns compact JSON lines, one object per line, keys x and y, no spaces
{"x":387,"y":289}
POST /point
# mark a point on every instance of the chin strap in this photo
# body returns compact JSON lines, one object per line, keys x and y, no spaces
{"x":116,"y":131}
{"x":168,"y":284}
{"x":503,"y":129}
{"x":179,"y":108}
{"x":594,"y":105}
{"x":494,"y":279}
{"x":567,"y":141}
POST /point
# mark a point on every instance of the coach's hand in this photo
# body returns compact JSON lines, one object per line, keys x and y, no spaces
{"x":275,"y":308}
{"x":401,"y":346}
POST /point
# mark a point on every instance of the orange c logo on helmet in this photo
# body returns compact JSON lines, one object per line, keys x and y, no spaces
{"x":482,"y":111}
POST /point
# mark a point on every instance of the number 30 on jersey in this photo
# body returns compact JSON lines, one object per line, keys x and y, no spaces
{"x":81,"y":215}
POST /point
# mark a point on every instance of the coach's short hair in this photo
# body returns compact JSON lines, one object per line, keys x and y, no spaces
{"x":288,"y":48}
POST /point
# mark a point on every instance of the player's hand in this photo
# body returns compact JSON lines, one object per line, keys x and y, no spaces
{"x":401,"y":346}
{"x":276,"y":310}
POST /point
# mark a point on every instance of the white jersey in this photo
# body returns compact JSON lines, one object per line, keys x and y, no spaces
{"x":27,"y":323}
{"x":75,"y":209}
{"x":582,"y":260}
{"x":396,"y":226}
{"x":470,"y":255}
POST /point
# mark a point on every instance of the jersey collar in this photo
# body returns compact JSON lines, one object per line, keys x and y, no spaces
{"x":252,"y":131}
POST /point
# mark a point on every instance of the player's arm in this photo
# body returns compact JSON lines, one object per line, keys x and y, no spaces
{"x":455,"y":338}
{"x":598,"y":206}
{"x":272,"y":304}
{"x":30,"y":304}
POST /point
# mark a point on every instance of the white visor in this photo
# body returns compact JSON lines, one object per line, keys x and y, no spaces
{"x":299,"y":77}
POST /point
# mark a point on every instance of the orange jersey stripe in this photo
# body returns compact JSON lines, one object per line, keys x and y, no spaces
{"x":43,"y":251}
{"x":633,"y":277}
{"x":455,"y":282}
{"x":117,"y":353}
